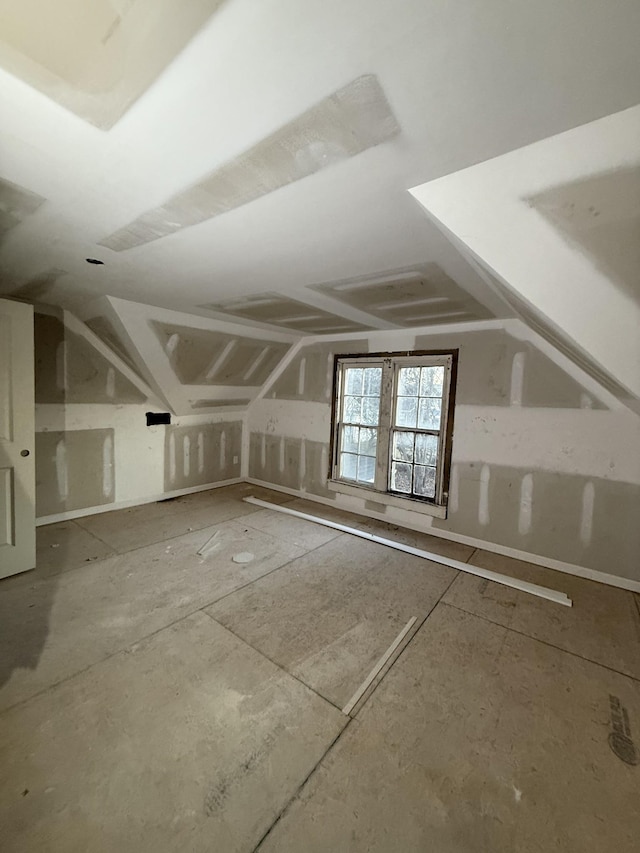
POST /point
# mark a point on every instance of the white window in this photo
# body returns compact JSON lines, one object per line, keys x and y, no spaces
{"x":392,"y":425}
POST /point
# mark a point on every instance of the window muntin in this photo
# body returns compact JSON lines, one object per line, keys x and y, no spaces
{"x":390,"y":433}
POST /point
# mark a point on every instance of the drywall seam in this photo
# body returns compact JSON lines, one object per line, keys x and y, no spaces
{"x":544,"y":439}
{"x":50,"y":416}
{"x":536,"y":559}
{"x":496,"y":577}
{"x":78,"y":327}
{"x":136,"y":321}
{"x":105,"y":306}
{"x":137,"y":318}
{"x":163,"y":496}
{"x":552,"y":352}
{"x":515,"y":328}
{"x":280,"y":368}
{"x":206,"y":324}
{"x":444,"y":329}
{"x":288,"y":417}
{"x":538,"y":438}
{"x":241,"y":393}
{"x":245,"y":447}
{"x":324,"y":302}
{"x":519,"y":330}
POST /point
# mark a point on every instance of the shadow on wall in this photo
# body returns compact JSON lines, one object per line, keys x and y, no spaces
{"x":74,"y":469}
{"x":25,"y":607}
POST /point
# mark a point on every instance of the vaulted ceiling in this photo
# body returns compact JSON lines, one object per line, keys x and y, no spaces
{"x":253,"y":159}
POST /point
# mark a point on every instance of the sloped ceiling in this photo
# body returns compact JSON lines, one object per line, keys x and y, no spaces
{"x":556,"y":224}
{"x":211,"y":152}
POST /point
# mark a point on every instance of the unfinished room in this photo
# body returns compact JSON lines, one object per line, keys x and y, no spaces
{"x":319,"y":426}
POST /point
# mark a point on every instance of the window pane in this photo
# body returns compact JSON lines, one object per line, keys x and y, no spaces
{"x":372,"y":378}
{"x":368,"y":442}
{"x":366,"y":469}
{"x":427,"y":449}
{"x":408,"y":379}
{"x":370,"y":410}
{"x":353,"y":380}
{"x":429,"y":413}
{"x":401,"y":477}
{"x":352,"y":410}
{"x":403,"y":446}
{"x":348,"y":466}
{"x":425,"y":481}
{"x":406,"y":411}
{"x":431,"y":381}
{"x":350,"y":439}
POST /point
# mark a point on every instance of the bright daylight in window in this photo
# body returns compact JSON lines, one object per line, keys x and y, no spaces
{"x":392,"y":424}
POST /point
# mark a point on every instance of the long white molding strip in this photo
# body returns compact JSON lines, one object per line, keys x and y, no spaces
{"x":505,"y":580}
{"x":357,"y":696}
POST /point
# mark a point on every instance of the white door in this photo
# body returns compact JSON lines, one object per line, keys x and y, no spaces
{"x":17,"y":457}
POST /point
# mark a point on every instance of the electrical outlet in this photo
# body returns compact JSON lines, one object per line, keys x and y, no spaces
{"x":235,"y":460}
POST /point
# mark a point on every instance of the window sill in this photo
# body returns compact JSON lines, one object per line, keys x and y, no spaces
{"x":385,"y":499}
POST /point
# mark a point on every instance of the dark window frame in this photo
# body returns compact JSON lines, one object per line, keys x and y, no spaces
{"x":381,"y":488}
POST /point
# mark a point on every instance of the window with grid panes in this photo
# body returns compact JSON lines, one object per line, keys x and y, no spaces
{"x":393,"y":416}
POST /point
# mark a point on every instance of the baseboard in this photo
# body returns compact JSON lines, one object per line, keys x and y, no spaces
{"x":525,"y":556}
{"x":112,"y":507}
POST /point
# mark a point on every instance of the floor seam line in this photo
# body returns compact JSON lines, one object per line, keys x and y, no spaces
{"x":150,"y":545}
{"x":253,"y":527}
{"x":369,"y":694}
{"x":169,"y":538}
{"x":271,"y":661}
{"x":543,"y":642}
{"x":266,"y":574}
{"x":89,"y":533}
{"x":295,"y":796}
{"x":151,"y":634}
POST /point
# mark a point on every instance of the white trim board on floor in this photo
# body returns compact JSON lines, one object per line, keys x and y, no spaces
{"x":536,"y":559}
{"x":151,"y":499}
{"x":523,"y":586}
{"x":505,"y":551}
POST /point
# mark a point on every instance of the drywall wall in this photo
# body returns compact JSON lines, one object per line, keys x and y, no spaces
{"x":74,"y":469}
{"x":93,"y":447}
{"x":202,"y":453}
{"x":544,"y":462}
{"x":194,"y":364}
{"x":204,"y":357}
{"x":68,"y":369}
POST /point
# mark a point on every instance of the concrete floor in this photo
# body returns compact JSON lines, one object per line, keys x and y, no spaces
{"x":154,"y":699}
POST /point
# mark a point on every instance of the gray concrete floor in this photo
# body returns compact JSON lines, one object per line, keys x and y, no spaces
{"x":155,"y":699}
